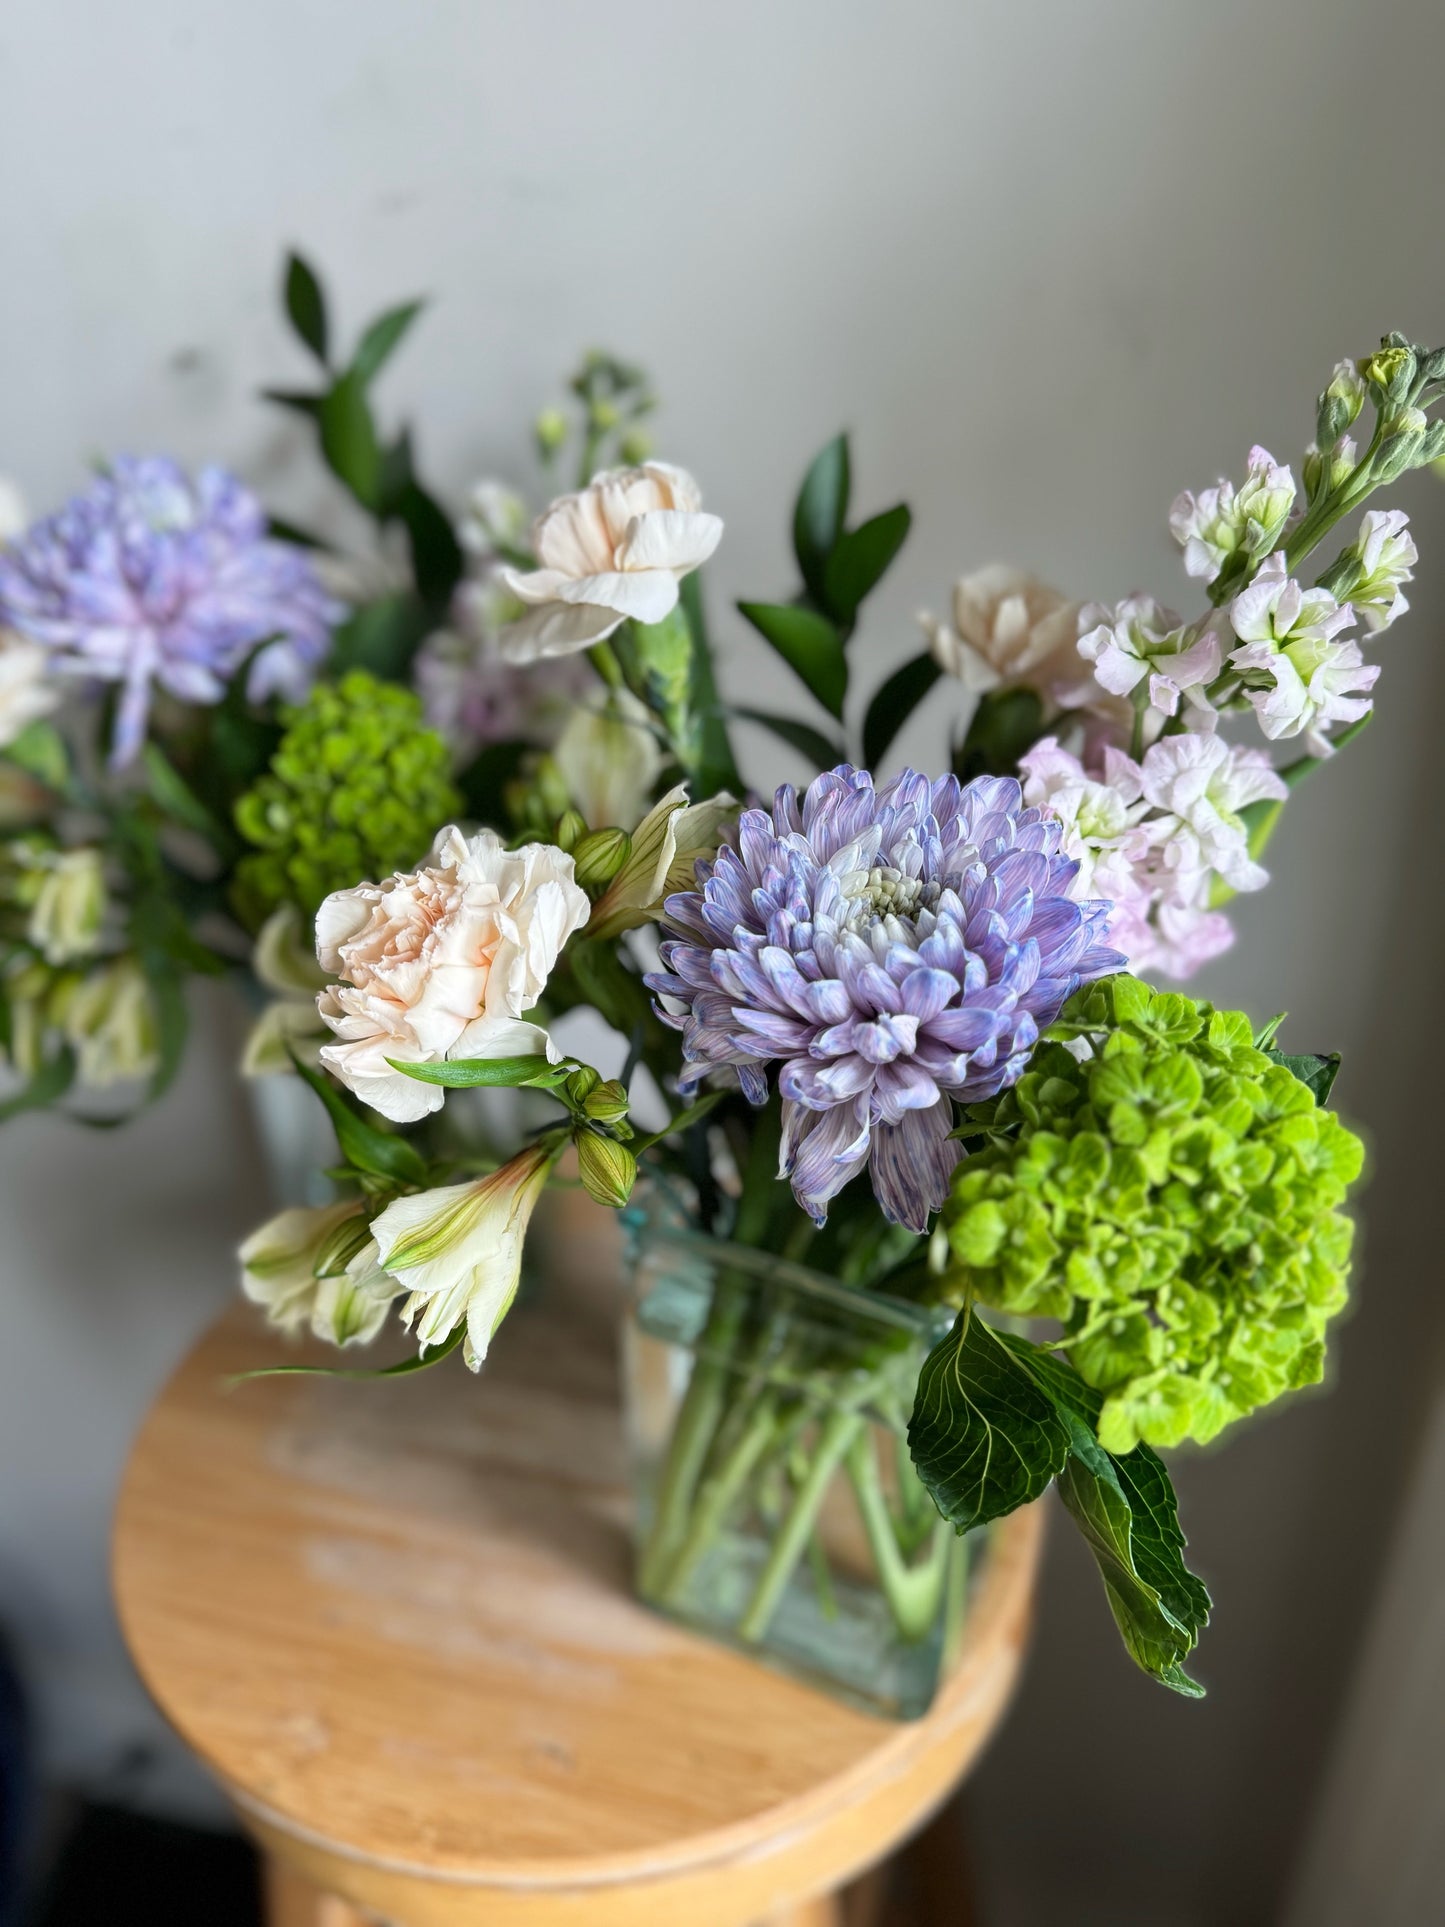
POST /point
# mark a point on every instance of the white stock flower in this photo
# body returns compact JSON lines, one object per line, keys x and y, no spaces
{"x":458,"y":1251}
{"x":1200,"y":783}
{"x":318,"y":1266}
{"x":667,"y":845}
{"x":442,"y":962}
{"x":1218,"y":522}
{"x":495,"y":517}
{"x":109,"y":1020}
{"x":26,"y":692}
{"x":1386,"y":555}
{"x":613,"y":552}
{"x":1008,"y":628}
{"x":1138,"y":638}
{"x":1100,"y":817}
{"x":68,"y":910}
{"x":1289,"y":634}
{"x":609,"y":758}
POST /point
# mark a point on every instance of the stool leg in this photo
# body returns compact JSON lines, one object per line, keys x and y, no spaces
{"x":825,"y":1911}
{"x":292,"y":1901}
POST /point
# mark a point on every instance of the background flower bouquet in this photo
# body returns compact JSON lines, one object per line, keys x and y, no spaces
{"x":891,"y":1062}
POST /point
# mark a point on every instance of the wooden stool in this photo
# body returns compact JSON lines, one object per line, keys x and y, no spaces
{"x":394,"y":1620}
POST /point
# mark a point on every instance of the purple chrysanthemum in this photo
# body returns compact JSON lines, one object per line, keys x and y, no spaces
{"x":151,"y":576}
{"x":894,"y":950}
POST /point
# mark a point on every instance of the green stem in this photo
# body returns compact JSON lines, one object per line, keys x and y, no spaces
{"x":913,"y":1592}
{"x":716,"y":1494}
{"x":604,"y":661}
{"x":835,"y":1436}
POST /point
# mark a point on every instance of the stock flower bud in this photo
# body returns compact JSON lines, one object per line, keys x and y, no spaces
{"x":608,"y":1169}
{"x":1404,"y":434}
{"x":550,"y":430}
{"x":599,"y":856}
{"x":1389,"y":371}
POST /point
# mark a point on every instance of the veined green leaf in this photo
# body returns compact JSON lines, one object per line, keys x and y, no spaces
{"x":808,"y":643}
{"x":893,"y":704}
{"x":824,"y":751}
{"x":306,"y":305}
{"x":860,"y":559}
{"x":382,"y":338}
{"x":1319,"y":1073}
{"x":985,"y":1435}
{"x":821,"y":509}
{"x":362,"y":1145}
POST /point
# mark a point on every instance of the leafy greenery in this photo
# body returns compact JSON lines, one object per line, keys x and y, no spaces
{"x":357,"y":788}
{"x":1173,"y":1197}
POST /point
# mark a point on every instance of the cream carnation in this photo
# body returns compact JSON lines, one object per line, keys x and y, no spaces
{"x":613,"y":552}
{"x":442,"y":963}
{"x":1008,"y":627}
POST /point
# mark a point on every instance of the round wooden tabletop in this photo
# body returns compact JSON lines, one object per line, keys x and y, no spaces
{"x":394,"y":1619}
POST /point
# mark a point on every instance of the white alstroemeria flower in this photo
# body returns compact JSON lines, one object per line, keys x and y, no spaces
{"x":1101,"y":818}
{"x":1138,"y":638}
{"x":611,"y":553}
{"x":609,"y":758}
{"x":68,"y":911}
{"x":458,"y":1251}
{"x":109,"y":1020}
{"x":1386,"y":556}
{"x":667,"y":845}
{"x":26,"y":691}
{"x":1289,"y":633}
{"x":442,"y":963}
{"x":346,"y":1300}
{"x":1218,"y":522}
{"x":1008,"y":628}
{"x":1202,"y":783}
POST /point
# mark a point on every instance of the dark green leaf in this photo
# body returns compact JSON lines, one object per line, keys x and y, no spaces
{"x":1005,"y":724}
{"x":860,"y":559}
{"x":362,"y":1145}
{"x":299,"y":400}
{"x":824,"y":751}
{"x":821,"y":510}
{"x":1319,"y":1073}
{"x":174,"y":795}
{"x":40,"y":751}
{"x":403,"y":1369}
{"x":348,"y":439}
{"x":398,"y":474}
{"x":436,"y":554}
{"x":47,"y":1086}
{"x":808,"y":643}
{"x":483,"y":783}
{"x":716,"y":765}
{"x":306,"y":305}
{"x":985,"y":1436}
{"x":620,"y":996}
{"x":382,"y":337}
{"x":894,"y":703}
{"x":463,"y":1073}
{"x":283,"y":531}
{"x":383,"y":637}
{"x":173,"y":1024}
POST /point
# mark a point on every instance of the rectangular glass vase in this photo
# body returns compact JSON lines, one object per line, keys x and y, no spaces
{"x":777,"y":1505}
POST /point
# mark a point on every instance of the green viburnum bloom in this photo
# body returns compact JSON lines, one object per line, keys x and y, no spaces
{"x":1172,"y":1195}
{"x":358,"y":787}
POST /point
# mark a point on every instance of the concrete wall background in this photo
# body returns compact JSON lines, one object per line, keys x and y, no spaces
{"x":1050,"y":264}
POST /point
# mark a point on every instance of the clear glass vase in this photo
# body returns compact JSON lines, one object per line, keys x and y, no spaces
{"x":778,"y":1508}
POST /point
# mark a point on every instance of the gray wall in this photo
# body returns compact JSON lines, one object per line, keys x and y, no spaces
{"x":1050,"y":263}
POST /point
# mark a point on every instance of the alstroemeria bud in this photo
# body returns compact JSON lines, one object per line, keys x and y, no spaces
{"x":599,"y":856}
{"x":571,"y":825}
{"x":69,"y":905}
{"x":110,"y":1021}
{"x":608,"y":1170}
{"x":318,"y":1267}
{"x":607,"y":1102}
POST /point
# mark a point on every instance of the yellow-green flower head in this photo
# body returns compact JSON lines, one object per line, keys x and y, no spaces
{"x":1172,"y":1195}
{"x":358,"y":787}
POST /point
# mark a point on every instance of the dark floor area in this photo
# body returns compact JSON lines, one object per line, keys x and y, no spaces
{"x":110,"y":1867}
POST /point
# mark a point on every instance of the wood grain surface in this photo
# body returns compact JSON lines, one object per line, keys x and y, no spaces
{"x":395,"y":1621}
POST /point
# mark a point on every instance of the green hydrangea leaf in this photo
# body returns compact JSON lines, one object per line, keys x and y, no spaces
{"x":1317,"y":1073}
{"x":985,"y":1437}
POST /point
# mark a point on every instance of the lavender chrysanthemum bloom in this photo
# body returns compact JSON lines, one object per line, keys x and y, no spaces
{"x":151,"y":576}
{"x":893,"y":950}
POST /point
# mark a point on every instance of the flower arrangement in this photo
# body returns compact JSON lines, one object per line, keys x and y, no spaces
{"x":892,"y":1027}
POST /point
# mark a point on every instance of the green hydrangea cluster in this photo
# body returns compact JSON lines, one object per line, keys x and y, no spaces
{"x":358,"y":787}
{"x":1172,"y":1194}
